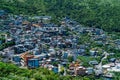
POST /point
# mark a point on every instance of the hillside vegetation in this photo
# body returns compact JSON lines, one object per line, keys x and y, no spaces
{"x":103,"y":14}
{"x":11,"y":72}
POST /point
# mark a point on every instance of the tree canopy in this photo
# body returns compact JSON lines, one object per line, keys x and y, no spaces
{"x":103,"y":14}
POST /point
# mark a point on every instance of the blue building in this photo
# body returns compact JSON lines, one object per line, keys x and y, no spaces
{"x":0,"y":41}
{"x":16,"y":59}
{"x":65,"y":55}
{"x":112,"y":59}
{"x":33,"y":63}
{"x":55,"y":69}
{"x":90,"y":70}
{"x":2,"y":12}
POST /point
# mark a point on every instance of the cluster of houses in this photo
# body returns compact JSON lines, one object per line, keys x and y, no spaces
{"x":40,"y":43}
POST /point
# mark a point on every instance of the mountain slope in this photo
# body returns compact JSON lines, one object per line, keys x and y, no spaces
{"x":104,"y":14}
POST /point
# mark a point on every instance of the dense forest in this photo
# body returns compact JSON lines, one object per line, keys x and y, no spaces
{"x":12,"y":72}
{"x":103,"y":14}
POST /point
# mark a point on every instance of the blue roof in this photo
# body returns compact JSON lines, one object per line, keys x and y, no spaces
{"x":49,"y":25}
{"x":2,"y":12}
{"x":93,"y":62}
{"x":55,"y":69}
{"x":41,"y":17}
{"x":113,"y":59}
{"x":33,"y":63}
{"x":68,"y":18}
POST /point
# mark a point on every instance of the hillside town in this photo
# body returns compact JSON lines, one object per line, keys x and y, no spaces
{"x":67,"y":48}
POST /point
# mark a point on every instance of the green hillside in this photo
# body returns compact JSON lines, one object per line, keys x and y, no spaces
{"x":11,"y":72}
{"x":104,"y":14}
